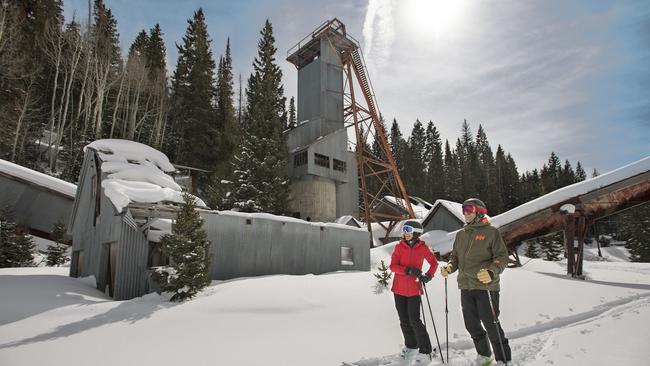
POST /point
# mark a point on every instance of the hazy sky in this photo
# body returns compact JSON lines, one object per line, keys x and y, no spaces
{"x":541,"y":76}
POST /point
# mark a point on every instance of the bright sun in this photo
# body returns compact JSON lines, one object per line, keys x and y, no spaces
{"x":434,"y":17}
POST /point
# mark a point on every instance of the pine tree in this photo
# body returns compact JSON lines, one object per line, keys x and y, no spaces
{"x":188,"y":248}
{"x":260,"y":182}
{"x":193,"y":94}
{"x":55,"y":254}
{"x":551,"y":173}
{"x":384,"y":274}
{"x":532,"y":250}
{"x":595,"y":173}
{"x":226,"y":118}
{"x":635,"y":230}
{"x":415,"y":162}
{"x":435,"y":164}
{"x":291,"y":121}
{"x":568,"y":176}
{"x":453,"y":187}
{"x":580,"y":173}
{"x":488,"y":177}
{"x":468,"y":163}
{"x":15,"y":246}
{"x":552,"y":247}
{"x":398,"y":147}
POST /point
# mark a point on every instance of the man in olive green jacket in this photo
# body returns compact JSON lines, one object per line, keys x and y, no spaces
{"x":480,"y":255}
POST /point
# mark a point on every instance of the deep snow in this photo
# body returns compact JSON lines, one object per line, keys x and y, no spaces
{"x":47,"y":318}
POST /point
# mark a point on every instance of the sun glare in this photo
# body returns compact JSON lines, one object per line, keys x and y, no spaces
{"x":434,"y":17}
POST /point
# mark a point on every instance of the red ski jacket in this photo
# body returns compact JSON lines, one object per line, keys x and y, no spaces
{"x":405,"y":256}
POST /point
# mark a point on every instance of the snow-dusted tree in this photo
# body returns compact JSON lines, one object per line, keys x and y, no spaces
{"x":187,"y":247}
{"x":383,"y":275}
{"x":552,"y":247}
{"x":532,"y":250}
{"x":261,"y":182}
{"x":55,"y":254}
{"x":15,"y":246}
{"x":635,"y":230}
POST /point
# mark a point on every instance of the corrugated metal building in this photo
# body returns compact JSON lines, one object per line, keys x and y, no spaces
{"x":36,"y":201}
{"x":115,"y":249}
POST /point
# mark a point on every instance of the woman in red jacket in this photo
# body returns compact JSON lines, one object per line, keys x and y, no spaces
{"x":406,"y":263}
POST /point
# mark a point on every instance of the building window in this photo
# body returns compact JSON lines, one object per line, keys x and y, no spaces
{"x":339,"y":165}
{"x":156,"y":257}
{"x":300,"y":158}
{"x":347,"y":257}
{"x":322,"y":160}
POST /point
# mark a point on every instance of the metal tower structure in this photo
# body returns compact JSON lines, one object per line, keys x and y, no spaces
{"x":376,"y":167}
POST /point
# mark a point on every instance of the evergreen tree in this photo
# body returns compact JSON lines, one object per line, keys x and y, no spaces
{"x":292,"y":121}
{"x":595,"y":173}
{"x":435,"y":164}
{"x":188,"y":248}
{"x":552,"y":247}
{"x":55,"y":254}
{"x":532,"y":250}
{"x":226,"y":118}
{"x":568,"y":176}
{"x":15,"y":246}
{"x":260,"y":180}
{"x":580,"y":173}
{"x":487,"y":175}
{"x":415,"y":162}
{"x":193,"y":94}
{"x":635,"y":230}
{"x":513,"y":186}
{"x":453,"y":187}
{"x":384,"y":274}
{"x":398,"y":147}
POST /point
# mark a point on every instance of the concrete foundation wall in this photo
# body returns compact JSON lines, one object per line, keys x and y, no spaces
{"x":315,"y":198}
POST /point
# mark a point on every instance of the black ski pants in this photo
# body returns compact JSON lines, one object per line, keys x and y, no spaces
{"x":477,"y":310}
{"x":414,"y":331}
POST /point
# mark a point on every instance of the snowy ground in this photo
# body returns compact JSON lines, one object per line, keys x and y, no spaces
{"x":47,"y":318}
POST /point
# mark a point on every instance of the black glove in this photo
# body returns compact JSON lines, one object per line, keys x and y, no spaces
{"x":425,"y":278}
{"x":412,"y":271}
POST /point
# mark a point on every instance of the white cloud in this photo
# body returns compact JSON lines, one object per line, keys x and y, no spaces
{"x":378,"y":32}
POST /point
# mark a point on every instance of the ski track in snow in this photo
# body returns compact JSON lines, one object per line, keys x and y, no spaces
{"x":526,"y":343}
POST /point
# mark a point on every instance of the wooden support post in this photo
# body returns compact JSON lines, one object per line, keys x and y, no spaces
{"x":582,"y":228}
{"x":569,"y":237}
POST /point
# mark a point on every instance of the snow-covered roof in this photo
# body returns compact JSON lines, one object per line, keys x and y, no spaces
{"x":574,"y":190}
{"x":37,"y":178}
{"x":136,"y":173}
{"x":420,"y":211}
{"x":125,"y":150}
{"x":454,"y":207}
{"x":445,"y":244}
{"x":346,"y":219}
{"x":268,"y":216}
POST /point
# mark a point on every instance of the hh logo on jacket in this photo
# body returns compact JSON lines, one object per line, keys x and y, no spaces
{"x":479,"y":237}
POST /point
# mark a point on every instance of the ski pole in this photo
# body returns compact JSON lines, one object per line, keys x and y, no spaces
{"x":433,"y":322}
{"x":446,"y":320}
{"x":496,"y":323}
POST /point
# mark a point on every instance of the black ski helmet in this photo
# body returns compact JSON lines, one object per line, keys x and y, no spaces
{"x":475,"y":202}
{"x":415,"y":227}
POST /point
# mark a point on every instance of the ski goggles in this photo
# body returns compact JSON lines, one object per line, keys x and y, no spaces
{"x":469,"y":209}
{"x":408,"y":229}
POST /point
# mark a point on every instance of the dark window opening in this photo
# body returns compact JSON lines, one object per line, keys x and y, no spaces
{"x":339,"y":165}
{"x":300,"y":158}
{"x":322,"y":160}
{"x":156,"y":256}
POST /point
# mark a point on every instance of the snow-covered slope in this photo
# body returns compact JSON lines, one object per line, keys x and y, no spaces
{"x":47,"y":318}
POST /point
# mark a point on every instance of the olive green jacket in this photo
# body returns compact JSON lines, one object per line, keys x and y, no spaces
{"x":478,"y":246}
